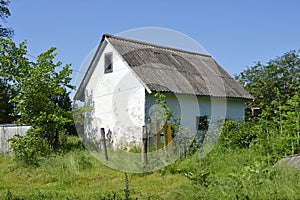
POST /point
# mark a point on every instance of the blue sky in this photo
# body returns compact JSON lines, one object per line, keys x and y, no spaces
{"x":235,"y":33}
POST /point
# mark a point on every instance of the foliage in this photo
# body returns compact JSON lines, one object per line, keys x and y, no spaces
{"x":79,"y":114}
{"x":29,"y":148}
{"x":275,"y":87}
{"x":199,"y":178}
{"x":126,"y":190}
{"x":161,"y":100}
{"x":234,"y":174}
{"x":273,"y":136}
{"x":65,"y":103}
{"x":77,"y":175}
{"x":6,"y":107}
{"x":223,"y":174}
{"x":4,"y":14}
{"x":238,"y":134}
{"x":42,"y":94}
{"x":70,"y":143}
{"x":6,"y":91}
{"x":280,"y":75}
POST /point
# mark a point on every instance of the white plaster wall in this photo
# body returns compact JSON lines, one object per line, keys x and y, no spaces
{"x":235,"y":109}
{"x":118,"y":101}
{"x":189,"y":106}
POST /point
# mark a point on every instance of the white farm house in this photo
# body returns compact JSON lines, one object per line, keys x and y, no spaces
{"x":124,"y":74}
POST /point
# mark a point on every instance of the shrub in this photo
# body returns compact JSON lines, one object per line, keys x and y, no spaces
{"x":27,"y":149}
{"x":238,"y":134}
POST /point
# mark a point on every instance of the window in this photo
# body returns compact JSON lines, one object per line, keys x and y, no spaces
{"x":108,"y":62}
{"x":202,"y":123}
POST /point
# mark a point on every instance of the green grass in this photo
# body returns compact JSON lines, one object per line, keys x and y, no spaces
{"x":223,"y":174}
{"x":77,"y":175}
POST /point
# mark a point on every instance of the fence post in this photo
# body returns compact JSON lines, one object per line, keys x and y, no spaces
{"x":103,"y":144}
{"x":157,"y":136}
{"x":144,"y":147}
{"x":165,"y":137}
{"x":150,"y":138}
{"x":169,"y":139}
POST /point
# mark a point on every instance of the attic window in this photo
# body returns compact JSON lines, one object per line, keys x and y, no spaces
{"x":108,"y":62}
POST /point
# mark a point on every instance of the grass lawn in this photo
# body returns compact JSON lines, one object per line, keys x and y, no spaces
{"x":78,"y":175}
{"x":238,"y":174}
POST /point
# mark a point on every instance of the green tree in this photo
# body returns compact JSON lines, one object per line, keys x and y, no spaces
{"x":6,"y":91}
{"x":4,"y":14}
{"x":6,"y":107}
{"x":275,"y":87}
{"x":280,"y":75}
{"x":42,"y":89}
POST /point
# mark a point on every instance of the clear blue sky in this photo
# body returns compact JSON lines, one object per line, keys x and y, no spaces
{"x":235,"y":33}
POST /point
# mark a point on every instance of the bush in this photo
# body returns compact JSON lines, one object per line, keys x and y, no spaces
{"x":238,"y":134}
{"x":70,"y":143}
{"x":29,"y":148}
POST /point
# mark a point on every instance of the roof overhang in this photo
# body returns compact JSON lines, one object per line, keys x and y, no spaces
{"x":80,"y":93}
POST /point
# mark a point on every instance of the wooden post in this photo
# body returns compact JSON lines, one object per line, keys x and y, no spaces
{"x":103,"y":144}
{"x":169,"y":138}
{"x":144,"y":147}
{"x":150,"y":138}
{"x":165,"y":137}
{"x":157,"y":136}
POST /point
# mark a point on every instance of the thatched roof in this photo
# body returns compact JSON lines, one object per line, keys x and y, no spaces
{"x":173,"y":70}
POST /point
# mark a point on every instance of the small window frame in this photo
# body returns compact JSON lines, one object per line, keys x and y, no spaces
{"x":202,"y":123}
{"x":108,"y":62}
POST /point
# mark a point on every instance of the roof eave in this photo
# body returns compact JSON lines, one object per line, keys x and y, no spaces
{"x":79,"y":95}
{"x":245,"y":99}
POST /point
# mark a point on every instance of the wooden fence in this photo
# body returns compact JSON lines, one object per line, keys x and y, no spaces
{"x":148,"y":140}
{"x":158,"y":142}
{"x":7,"y":131}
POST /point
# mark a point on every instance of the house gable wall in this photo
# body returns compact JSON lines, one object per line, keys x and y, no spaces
{"x":118,"y":99}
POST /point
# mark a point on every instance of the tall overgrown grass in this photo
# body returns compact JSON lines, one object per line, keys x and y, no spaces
{"x":240,"y":166}
{"x":235,"y":174}
{"x":223,"y":174}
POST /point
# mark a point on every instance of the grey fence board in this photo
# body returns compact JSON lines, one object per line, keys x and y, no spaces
{"x":7,"y":131}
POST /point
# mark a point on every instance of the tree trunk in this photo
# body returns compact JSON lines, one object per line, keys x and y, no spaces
{"x":56,"y":141}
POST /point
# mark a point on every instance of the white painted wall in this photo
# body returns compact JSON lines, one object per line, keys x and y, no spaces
{"x":189,"y":106}
{"x":118,"y":99}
